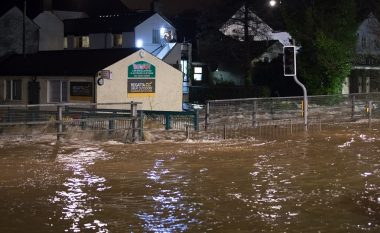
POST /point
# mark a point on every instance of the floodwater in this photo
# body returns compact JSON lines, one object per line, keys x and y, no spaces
{"x":326,"y":182}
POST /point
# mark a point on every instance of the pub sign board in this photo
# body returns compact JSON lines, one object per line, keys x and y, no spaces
{"x":141,"y":69}
{"x":141,"y":79}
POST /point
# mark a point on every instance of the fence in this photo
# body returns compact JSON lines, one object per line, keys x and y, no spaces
{"x":173,"y":120}
{"x":114,"y":120}
{"x":275,"y":116}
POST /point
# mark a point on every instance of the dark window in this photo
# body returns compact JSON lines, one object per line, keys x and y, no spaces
{"x":156,"y":36}
{"x":57,"y":91}
{"x":13,"y":89}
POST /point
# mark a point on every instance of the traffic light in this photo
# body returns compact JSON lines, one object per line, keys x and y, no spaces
{"x":290,"y":61}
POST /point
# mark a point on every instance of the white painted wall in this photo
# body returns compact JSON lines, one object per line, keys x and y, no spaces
{"x":51,"y":31}
{"x":168,"y":89}
{"x":369,"y":30}
{"x":144,"y":31}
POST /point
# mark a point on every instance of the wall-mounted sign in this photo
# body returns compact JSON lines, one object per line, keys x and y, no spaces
{"x":141,"y":69}
{"x":141,"y":79}
{"x":141,"y":86}
{"x":80,"y":89}
{"x":105,"y":74}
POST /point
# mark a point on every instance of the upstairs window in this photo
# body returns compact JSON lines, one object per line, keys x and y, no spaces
{"x":156,"y":38}
{"x":13,"y":89}
{"x":198,"y":73}
{"x":364,"y":42}
{"x":58,"y":91}
{"x":117,"y":40}
{"x":81,"y":42}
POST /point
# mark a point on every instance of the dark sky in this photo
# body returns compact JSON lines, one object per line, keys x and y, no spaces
{"x":170,"y":7}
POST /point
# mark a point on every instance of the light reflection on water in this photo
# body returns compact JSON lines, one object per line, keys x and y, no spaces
{"x":329,"y":182}
{"x":81,"y":190}
{"x":170,"y":212}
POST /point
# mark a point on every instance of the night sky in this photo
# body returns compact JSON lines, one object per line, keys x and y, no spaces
{"x":170,"y":7}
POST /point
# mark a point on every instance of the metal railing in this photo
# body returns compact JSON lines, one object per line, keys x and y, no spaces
{"x":173,"y":120}
{"x":284,"y":115}
{"x":111,"y":119}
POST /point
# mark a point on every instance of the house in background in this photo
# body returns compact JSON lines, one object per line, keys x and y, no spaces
{"x":12,"y":33}
{"x":91,"y":76}
{"x":72,"y":48}
{"x":265,"y":44}
{"x":365,"y":75}
{"x":147,"y":30}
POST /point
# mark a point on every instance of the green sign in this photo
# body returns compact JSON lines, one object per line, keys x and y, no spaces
{"x":141,"y":69}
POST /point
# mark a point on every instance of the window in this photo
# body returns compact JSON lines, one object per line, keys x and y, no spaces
{"x":364,"y":42}
{"x":57,"y":91}
{"x":198,"y":73}
{"x":117,"y":40}
{"x":377,"y":44}
{"x":81,"y":42}
{"x":156,"y":39}
{"x":184,"y":64}
{"x":13,"y":89}
{"x":65,"y":42}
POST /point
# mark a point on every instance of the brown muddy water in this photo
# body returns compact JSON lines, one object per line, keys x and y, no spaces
{"x":326,"y":182}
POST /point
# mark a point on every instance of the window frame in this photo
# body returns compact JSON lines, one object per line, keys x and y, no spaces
{"x":198,"y":73}
{"x":62,"y":91}
{"x":156,"y":36}
{"x":13,"y":90}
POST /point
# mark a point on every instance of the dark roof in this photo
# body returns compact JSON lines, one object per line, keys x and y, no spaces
{"x":116,"y":24}
{"x":91,"y":7}
{"x":63,"y":62}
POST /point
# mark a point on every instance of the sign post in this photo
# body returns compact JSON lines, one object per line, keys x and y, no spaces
{"x":290,"y":69}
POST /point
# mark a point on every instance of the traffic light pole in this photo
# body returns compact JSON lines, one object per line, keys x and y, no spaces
{"x":305,"y":101}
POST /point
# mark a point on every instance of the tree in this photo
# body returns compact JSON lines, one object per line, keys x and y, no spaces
{"x":236,"y":19}
{"x":326,"y":33}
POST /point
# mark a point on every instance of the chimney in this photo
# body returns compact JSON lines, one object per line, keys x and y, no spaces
{"x":47,"y":5}
{"x":155,"y":6}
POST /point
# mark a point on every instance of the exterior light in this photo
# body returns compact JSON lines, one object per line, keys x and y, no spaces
{"x":139,"y":43}
{"x":272,"y":3}
{"x":162,"y":31}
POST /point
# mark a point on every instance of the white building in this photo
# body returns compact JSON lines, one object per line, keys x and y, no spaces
{"x":365,"y":76}
{"x":91,"y":76}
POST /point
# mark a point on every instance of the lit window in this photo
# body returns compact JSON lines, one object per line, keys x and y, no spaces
{"x":57,"y":91}
{"x":156,"y":39}
{"x":117,"y":40}
{"x":85,"y":42}
{"x":81,"y":42}
{"x":65,"y":42}
{"x":198,"y":73}
{"x":13,"y":89}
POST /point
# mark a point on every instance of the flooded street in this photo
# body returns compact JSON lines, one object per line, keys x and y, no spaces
{"x":326,"y":182}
